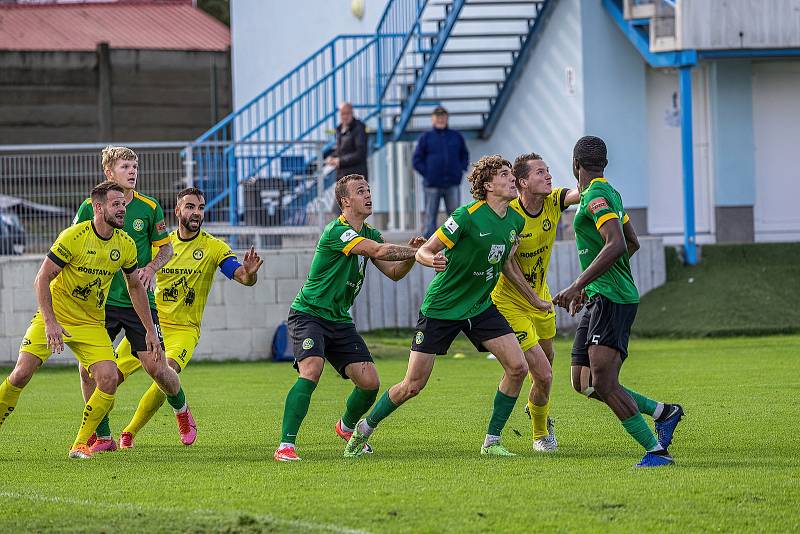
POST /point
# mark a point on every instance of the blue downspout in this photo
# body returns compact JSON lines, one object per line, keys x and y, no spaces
{"x":687,"y":157}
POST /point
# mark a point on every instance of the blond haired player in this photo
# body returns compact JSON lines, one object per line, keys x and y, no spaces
{"x":523,"y":297}
{"x":183,"y":287}
{"x":71,"y":289}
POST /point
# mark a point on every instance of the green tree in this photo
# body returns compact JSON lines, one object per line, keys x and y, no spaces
{"x":219,"y":9}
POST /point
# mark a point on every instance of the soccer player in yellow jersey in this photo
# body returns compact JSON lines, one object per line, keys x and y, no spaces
{"x":183,"y":286}
{"x":523,"y":297}
{"x":71,"y":288}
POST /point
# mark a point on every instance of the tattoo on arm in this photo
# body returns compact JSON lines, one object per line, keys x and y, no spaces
{"x":161,"y":259}
{"x":396,"y":253}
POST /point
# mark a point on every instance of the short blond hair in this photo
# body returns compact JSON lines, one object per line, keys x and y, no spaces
{"x":112,"y":154}
{"x":482,"y":172}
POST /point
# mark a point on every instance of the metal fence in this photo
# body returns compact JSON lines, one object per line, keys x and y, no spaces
{"x":284,"y":201}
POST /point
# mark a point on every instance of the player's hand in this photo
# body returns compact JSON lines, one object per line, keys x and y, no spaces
{"x":55,"y":336}
{"x":147,"y":277}
{"x":416,"y":241}
{"x":542,"y":305}
{"x":571,"y":299}
{"x":154,"y":345}
{"x":252,"y":261}
{"x":439,"y":262}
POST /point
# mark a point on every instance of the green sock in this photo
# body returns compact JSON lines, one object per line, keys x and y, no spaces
{"x":357,"y":405}
{"x":296,"y":408}
{"x":503,"y":406}
{"x":382,"y":410}
{"x":178,"y":401}
{"x":104,"y":428}
{"x":645,"y":404}
{"x":637,"y":427}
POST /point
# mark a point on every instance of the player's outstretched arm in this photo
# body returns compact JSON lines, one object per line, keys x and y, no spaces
{"x":430,"y":254}
{"x":396,"y":270}
{"x":147,"y":274}
{"x":513,"y":272}
{"x":571,"y":298}
{"x":383,"y":251}
{"x":141,"y":305}
{"x":572,"y":197}
{"x":247,"y":273}
{"x":53,"y":330}
{"x":631,"y":240}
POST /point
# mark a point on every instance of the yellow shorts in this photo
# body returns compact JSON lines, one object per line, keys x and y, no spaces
{"x":529,"y":325}
{"x":89,"y":342}
{"x":179,"y":343}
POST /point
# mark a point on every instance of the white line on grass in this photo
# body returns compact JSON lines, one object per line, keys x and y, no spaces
{"x":267,"y":518}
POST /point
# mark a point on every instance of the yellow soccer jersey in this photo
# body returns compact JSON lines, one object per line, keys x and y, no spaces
{"x":533,"y":253}
{"x":185,"y":281}
{"x":88,"y":264}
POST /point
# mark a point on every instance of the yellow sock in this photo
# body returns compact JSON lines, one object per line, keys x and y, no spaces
{"x":98,"y":405}
{"x":539,"y":419}
{"x":151,"y":401}
{"x":8,"y":399}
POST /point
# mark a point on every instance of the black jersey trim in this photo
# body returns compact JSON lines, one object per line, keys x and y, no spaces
{"x":562,"y":198}
{"x":55,"y":259}
{"x":101,"y":237}
{"x":129,"y":270}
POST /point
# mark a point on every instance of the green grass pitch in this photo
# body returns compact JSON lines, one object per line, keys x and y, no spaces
{"x":737,"y":453}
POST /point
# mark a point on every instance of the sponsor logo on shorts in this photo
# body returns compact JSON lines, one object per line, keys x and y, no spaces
{"x":138,"y":225}
{"x":114,"y":254}
{"x":197,"y":254}
{"x":595,"y":339}
{"x":597,"y":205}
{"x":25,"y":341}
{"x":521,"y":336}
{"x":496,"y":253}
{"x":451,"y":225}
{"x":182,"y":356}
{"x":546,"y":225}
{"x":308,"y":343}
{"x":349,"y":235}
{"x":419,"y":338}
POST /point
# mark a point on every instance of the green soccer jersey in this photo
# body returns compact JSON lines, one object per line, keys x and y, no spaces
{"x":478,"y":243}
{"x":144,"y":222}
{"x":601,"y":204}
{"x":335,"y":277}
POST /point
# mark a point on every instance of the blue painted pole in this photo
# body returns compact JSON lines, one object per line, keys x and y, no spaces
{"x":379,"y":90}
{"x":687,"y":157}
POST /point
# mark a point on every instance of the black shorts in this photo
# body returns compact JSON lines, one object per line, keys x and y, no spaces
{"x":339,"y":343}
{"x":434,"y":336}
{"x":603,"y":323}
{"x":118,"y":319}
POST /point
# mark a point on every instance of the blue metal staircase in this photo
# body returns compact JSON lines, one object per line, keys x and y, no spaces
{"x":465,"y":55}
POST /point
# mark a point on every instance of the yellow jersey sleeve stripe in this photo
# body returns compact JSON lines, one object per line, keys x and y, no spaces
{"x":145,"y":200}
{"x":625,"y":219}
{"x":356,"y":240}
{"x":444,"y":238}
{"x":474,"y":207}
{"x":161,"y":242}
{"x":605,"y":218}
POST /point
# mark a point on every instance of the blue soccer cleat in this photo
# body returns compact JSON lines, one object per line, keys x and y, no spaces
{"x":656,"y":460}
{"x":666,"y":427}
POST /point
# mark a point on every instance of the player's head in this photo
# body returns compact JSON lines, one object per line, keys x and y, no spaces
{"x":346,"y":113}
{"x":352,"y":193}
{"x":108,"y":199}
{"x":532,"y":174}
{"x":190,"y":209}
{"x":439,"y":118}
{"x":121,"y":164}
{"x":491,"y":175}
{"x":589,"y":154}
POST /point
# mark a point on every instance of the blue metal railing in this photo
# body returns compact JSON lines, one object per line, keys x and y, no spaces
{"x":301,"y":106}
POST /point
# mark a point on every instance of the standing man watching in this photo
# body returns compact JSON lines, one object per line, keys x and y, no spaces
{"x":441,"y":157}
{"x":351,"y":144}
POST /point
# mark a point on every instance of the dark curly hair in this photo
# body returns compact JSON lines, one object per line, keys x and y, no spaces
{"x":590,"y":152}
{"x":482,"y":172}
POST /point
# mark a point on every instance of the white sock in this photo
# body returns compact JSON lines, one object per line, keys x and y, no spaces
{"x":183,"y":409}
{"x":659,"y":410}
{"x":344,"y":426}
{"x":284,"y":445}
{"x":657,"y":448}
{"x":364,"y":428}
{"x":491,"y":440}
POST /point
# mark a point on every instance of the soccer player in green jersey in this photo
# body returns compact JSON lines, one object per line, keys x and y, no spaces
{"x":478,"y":237}
{"x":319,"y":321}
{"x":605,"y":239}
{"x":144,"y":222}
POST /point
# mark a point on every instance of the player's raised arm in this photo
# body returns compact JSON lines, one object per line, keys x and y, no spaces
{"x":141,"y":305}
{"x":396,"y":270}
{"x":572,"y":197}
{"x":430,"y":254}
{"x":247,"y":273}
{"x":53,"y":330}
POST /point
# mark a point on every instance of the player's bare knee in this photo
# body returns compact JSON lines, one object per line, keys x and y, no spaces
{"x":106,"y":379}
{"x":19,"y":378}
{"x":517,"y":371}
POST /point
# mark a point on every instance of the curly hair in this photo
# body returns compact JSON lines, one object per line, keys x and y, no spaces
{"x":482,"y":172}
{"x":591,"y":153}
{"x":520,"y":169}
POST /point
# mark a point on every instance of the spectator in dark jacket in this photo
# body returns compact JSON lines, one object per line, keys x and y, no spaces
{"x":351,"y":144}
{"x":441,"y":157}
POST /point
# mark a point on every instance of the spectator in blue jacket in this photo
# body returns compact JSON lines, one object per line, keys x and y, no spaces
{"x":441,"y":157}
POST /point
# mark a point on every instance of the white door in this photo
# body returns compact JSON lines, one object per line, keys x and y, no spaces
{"x":776,"y":132}
{"x":665,"y":207}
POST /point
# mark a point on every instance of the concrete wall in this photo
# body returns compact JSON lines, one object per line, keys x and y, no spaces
{"x":143,"y":95}
{"x":239,"y":321}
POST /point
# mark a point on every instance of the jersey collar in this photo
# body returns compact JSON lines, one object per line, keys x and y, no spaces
{"x":529,"y":214}
{"x":599,"y":179}
{"x":178,"y":235}
{"x":99,"y":236}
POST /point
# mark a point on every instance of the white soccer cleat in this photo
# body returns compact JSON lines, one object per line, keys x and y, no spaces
{"x":545,"y":444}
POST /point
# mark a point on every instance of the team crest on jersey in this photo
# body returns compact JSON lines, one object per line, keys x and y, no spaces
{"x":496,"y":253}
{"x":512,"y":235}
{"x":419,"y":338}
{"x":197,"y":254}
{"x":114,"y":254}
{"x":546,"y":225}
{"x":308,"y":343}
{"x":138,"y":225}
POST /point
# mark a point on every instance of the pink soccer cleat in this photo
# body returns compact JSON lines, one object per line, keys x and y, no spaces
{"x":126,"y":440}
{"x":286,"y":454}
{"x":103,"y":445}
{"x":81,"y":451}
{"x":91,"y":440}
{"x":186,"y":426}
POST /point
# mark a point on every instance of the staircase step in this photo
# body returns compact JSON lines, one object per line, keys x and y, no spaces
{"x":490,"y":3}
{"x":507,"y":18}
{"x":466,"y":98}
{"x":465,"y":82}
{"x":458,"y":67}
{"x":424,"y":113}
{"x":504,"y":35}
{"x":481,"y":51}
